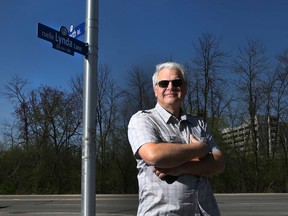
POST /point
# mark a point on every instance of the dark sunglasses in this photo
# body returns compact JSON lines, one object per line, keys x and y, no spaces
{"x":165,"y":83}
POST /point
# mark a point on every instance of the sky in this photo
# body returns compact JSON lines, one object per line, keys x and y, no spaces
{"x":131,"y":32}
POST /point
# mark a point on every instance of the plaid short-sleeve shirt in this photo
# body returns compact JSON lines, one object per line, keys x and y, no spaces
{"x":187,"y":196}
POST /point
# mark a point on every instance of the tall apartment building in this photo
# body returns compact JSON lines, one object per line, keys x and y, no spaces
{"x":266,"y":128}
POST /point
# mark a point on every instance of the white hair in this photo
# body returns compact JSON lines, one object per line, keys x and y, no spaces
{"x":170,"y":65}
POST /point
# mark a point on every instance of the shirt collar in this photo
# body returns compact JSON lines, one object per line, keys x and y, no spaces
{"x":166,"y":115}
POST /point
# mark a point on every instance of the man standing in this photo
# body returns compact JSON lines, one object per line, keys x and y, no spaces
{"x":175,"y":152}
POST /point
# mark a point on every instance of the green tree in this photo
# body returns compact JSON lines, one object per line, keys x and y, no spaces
{"x":45,"y":139}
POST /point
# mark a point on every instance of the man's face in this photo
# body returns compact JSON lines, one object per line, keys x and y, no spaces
{"x":170,"y":96}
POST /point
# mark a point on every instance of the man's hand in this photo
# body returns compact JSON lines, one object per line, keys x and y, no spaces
{"x":203,"y":147}
{"x":164,"y":176}
{"x":163,"y":172}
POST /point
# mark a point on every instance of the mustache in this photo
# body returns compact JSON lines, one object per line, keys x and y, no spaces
{"x":172,"y":92}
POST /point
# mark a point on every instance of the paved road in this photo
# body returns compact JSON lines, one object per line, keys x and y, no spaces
{"x":126,"y":205}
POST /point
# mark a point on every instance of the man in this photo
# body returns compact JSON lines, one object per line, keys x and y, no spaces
{"x":175,"y":152}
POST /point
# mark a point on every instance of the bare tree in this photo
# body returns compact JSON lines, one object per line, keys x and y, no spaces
{"x":15,"y":92}
{"x":280,"y":105}
{"x":251,"y":65}
{"x":280,"y":97}
{"x":139,"y":90}
{"x":207,"y":86}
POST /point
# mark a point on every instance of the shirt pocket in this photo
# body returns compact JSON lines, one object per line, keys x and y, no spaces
{"x":171,"y":138}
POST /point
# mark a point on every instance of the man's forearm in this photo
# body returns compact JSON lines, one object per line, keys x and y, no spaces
{"x":169,"y":155}
{"x":211,"y":165}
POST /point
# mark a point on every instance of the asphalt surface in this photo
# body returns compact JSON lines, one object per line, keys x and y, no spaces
{"x":126,"y":205}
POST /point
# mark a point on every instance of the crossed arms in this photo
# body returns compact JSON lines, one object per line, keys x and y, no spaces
{"x":178,"y":159}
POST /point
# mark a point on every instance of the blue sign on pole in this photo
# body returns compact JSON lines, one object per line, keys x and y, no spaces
{"x":61,"y":40}
{"x":77,"y":31}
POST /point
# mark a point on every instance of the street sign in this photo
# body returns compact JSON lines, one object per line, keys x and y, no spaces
{"x":77,"y":31}
{"x":61,"y":41}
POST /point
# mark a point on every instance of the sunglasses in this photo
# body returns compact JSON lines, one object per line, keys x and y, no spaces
{"x":165,"y":83}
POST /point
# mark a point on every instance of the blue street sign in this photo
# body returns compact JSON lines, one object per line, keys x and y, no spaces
{"x":77,"y":31}
{"x":61,"y":41}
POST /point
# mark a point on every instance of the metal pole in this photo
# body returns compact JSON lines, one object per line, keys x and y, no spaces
{"x":88,"y":200}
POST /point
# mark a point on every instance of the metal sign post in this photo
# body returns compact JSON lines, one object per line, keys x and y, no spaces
{"x":88,"y":199}
{"x":62,"y":41}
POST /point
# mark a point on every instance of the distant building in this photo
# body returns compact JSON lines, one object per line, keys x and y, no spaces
{"x":267,"y":129}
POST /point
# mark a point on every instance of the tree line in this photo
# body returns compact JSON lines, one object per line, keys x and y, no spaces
{"x":40,"y":150}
